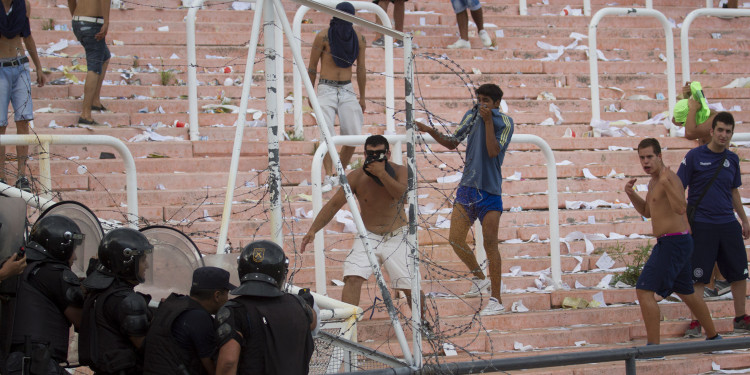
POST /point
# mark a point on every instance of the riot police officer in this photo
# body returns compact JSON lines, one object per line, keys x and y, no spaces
{"x":116,"y":318}
{"x":265,"y":330}
{"x":49,"y":299}
{"x":182,"y":337}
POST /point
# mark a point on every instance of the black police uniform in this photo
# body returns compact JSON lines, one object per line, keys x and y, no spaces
{"x":276,"y":336}
{"x":46,"y":288}
{"x":110,"y":317}
{"x":163,"y":355}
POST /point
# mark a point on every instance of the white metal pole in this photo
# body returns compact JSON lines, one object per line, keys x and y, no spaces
{"x":317,"y":203}
{"x":593,"y":63}
{"x":237,"y":147}
{"x":272,"y":117}
{"x":362,"y":231}
{"x":587,"y":8}
{"x":280,"y":84}
{"x":522,"y":8}
{"x":685,"y":32}
{"x":131,"y":180}
{"x":411,"y":196}
{"x":45,"y":173}
{"x":192,"y":75}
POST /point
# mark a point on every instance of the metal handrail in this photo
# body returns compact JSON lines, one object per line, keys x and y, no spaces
{"x":685,"y":30}
{"x":389,"y":80}
{"x":45,"y":179}
{"x":353,"y":140}
{"x":629,"y":355}
{"x":522,"y":9}
{"x":593,"y":59}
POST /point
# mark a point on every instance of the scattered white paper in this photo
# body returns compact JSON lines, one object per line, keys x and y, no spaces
{"x":580,"y":343}
{"x":452,"y":178}
{"x":604,"y":282}
{"x":449,"y":350}
{"x":163,"y":28}
{"x":515,"y":177}
{"x":337,"y":282}
{"x":605,"y":262}
{"x":579,"y":285}
{"x":301,"y":213}
{"x":442,"y":222}
{"x":599,"y":297}
{"x":587,"y":173}
{"x":344,"y":217}
{"x":518,"y":307}
{"x":519,"y":346}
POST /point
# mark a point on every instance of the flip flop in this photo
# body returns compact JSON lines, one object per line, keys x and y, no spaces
{"x":92,"y":122}
{"x":99,"y":108}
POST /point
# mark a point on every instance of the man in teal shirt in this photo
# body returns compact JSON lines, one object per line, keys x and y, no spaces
{"x":488,"y":132}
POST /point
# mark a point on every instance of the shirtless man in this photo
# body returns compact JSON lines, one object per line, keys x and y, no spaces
{"x":15,"y":81}
{"x":379,"y":187}
{"x":90,"y":26}
{"x":668,"y":268}
{"x":337,"y":48}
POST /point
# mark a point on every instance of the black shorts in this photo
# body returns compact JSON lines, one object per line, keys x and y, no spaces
{"x":667,"y":270}
{"x":721,"y":244}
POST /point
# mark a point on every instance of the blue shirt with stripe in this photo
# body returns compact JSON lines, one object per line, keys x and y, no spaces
{"x":480,"y":170}
{"x":697,"y":170}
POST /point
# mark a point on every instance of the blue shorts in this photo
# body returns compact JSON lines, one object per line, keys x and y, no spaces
{"x":461,"y":5}
{"x":96,"y":50}
{"x":478,"y":203}
{"x":15,"y":87}
{"x":721,"y":244}
{"x":668,"y":268}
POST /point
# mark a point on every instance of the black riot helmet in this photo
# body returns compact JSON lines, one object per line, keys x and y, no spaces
{"x":56,"y":236}
{"x":121,"y":250}
{"x":262,"y":268}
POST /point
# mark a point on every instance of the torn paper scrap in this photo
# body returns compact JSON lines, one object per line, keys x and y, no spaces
{"x":452,"y":178}
{"x":518,"y":307}
{"x":597,"y":300}
{"x":579,"y":285}
{"x":519,"y":346}
{"x":515,"y":177}
{"x":587,"y":173}
{"x":604,"y":283}
{"x":343,"y":217}
{"x":449,"y":349}
{"x":442,"y":222}
{"x":605,"y":262}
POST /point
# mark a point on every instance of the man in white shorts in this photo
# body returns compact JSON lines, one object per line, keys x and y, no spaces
{"x":380,"y":188}
{"x":337,"y":48}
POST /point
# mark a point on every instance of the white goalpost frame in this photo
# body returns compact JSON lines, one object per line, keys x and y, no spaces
{"x":269,"y":9}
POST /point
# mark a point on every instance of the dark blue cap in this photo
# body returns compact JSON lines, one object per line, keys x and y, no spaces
{"x":211,"y":278}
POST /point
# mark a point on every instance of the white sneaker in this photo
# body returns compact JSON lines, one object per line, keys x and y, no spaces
{"x":478,"y":287}
{"x":485,"y":38}
{"x":492,"y":308}
{"x":460,"y":44}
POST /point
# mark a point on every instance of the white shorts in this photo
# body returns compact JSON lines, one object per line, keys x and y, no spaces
{"x":392,"y":253}
{"x":341,"y":100}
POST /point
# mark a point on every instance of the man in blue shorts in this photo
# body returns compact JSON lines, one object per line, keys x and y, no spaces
{"x":717,"y":235}
{"x":668,"y":268}
{"x":488,"y":132}
{"x":15,"y":81}
{"x":462,"y":18}
{"x":90,"y":26}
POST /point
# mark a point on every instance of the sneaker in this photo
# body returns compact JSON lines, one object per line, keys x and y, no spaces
{"x":694,"y":330}
{"x":460,"y":44}
{"x":478,"y":287}
{"x":486,"y":41}
{"x":23,"y":184}
{"x":380,"y":42}
{"x":743,"y":325}
{"x":709,"y":294}
{"x":492,"y":308}
{"x":722,"y":287}
{"x":717,"y":337}
{"x":398,"y":44}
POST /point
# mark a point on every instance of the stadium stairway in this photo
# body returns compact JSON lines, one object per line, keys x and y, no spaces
{"x":182,"y":183}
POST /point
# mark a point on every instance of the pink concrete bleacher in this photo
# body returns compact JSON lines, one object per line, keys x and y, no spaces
{"x":515,"y":65}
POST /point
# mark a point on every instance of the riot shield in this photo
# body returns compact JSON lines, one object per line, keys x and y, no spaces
{"x":171,"y":263}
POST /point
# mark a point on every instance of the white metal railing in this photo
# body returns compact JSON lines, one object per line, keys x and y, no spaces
{"x":353,"y":140}
{"x":192,"y":78}
{"x":685,"y":31}
{"x":389,"y":85}
{"x":593,"y":59}
{"x":45,"y":179}
{"x":522,"y":9}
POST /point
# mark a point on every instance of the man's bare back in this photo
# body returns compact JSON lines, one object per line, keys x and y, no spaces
{"x":381,"y":213}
